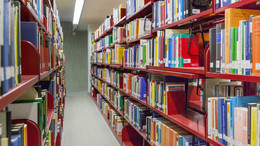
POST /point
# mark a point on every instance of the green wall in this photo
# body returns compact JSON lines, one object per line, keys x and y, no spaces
{"x":76,"y":57}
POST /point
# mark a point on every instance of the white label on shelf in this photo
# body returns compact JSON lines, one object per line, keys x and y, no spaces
{"x":251,"y":30}
{"x":257,"y":66}
{"x":8,"y":72}
{"x":186,"y":60}
{"x":217,"y":64}
{"x":1,"y":74}
{"x":16,"y":70}
{"x":211,"y":64}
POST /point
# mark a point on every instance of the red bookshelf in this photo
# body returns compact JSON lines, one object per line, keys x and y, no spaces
{"x":118,"y":66}
{"x":176,"y":74}
{"x":27,"y":82}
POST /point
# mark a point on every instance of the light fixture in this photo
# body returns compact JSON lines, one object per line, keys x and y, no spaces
{"x":77,"y":11}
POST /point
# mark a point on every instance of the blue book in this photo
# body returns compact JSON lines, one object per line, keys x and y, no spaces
{"x":220,"y":119}
{"x":156,"y":93}
{"x":16,"y":140}
{"x":135,"y":118}
{"x":29,"y":32}
{"x":223,"y":50}
{"x":217,"y":4}
{"x":162,"y":95}
{"x":6,"y":47}
{"x":240,"y":102}
{"x":135,"y":50}
{"x":142,"y":88}
{"x":248,"y":71}
{"x":174,"y":11}
{"x":159,"y":133}
{"x":173,"y":51}
{"x":169,"y":52}
{"x":226,"y":2}
{"x":182,"y":9}
{"x":12,"y":51}
{"x":225,"y":131}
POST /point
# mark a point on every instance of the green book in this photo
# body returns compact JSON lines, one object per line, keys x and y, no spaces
{"x":180,"y":140}
{"x":234,"y":50}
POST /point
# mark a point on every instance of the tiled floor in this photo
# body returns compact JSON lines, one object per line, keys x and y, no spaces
{"x":83,"y":123}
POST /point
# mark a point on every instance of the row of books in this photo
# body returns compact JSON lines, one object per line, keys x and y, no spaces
{"x":10,"y":45}
{"x":11,"y":34}
{"x":119,"y":13}
{"x":136,"y":113}
{"x":164,"y":93}
{"x":135,"y":85}
{"x":222,"y":3}
{"x":116,"y":121}
{"x":169,"y":11}
{"x":162,"y":132}
{"x":159,"y":130}
{"x":138,"y":28}
{"x":238,"y":54}
{"x":234,"y":120}
{"x":107,"y":24}
{"x":161,"y":92}
{"x":133,"y":6}
{"x":119,"y":34}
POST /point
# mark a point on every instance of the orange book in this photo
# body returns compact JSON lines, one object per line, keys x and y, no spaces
{"x":256,"y":46}
{"x":152,"y":132}
{"x":137,"y":29}
{"x":232,"y":18}
{"x":167,"y":134}
{"x":163,"y":135}
{"x":171,"y":141}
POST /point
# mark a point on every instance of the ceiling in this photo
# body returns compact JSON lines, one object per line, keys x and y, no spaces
{"x":94,"y":12}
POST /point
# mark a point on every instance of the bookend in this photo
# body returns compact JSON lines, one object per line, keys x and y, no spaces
{"x":30,"y":59}
{"x":33,"y":132}
{"x":130,"y":137}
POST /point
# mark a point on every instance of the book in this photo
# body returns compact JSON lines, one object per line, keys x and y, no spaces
{"x":255,"y":48}
{"x":219,"y":27}
{"x":212,"y":35}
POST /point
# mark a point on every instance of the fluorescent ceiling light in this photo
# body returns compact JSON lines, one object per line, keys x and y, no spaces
{"x":77,"y":11}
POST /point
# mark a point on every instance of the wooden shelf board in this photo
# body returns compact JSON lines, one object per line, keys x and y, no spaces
{"x":27,"y":82}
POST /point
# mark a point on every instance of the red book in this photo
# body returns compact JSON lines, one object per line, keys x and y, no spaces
{"x":189,"y":58}
{"x":161,"y":47}
{"x":176,"y":98}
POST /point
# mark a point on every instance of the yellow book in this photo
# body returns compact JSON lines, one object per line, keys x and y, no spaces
{"x":4,"y":141}
{"x":131,"y":30}
{"x":164,"y":102}
{"x":49,"y":138}
{"x":153,"y":94}
{"x":152,"y":135}
{"x":232,"y":18}
{"x":253,"y":125}
{"x":120,"y":53}
{"x":167,"y":52}
{"x":156,"y":52}
{"x":16,"y":45}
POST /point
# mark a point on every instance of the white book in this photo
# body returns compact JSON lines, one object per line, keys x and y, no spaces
{"x":209,"y":118}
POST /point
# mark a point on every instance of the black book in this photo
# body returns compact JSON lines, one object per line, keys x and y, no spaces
{"x":148,"y":129}
{"x":212,"y":45}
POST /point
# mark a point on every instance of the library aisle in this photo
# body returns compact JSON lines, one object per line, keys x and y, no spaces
{"x":84,"y":125}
